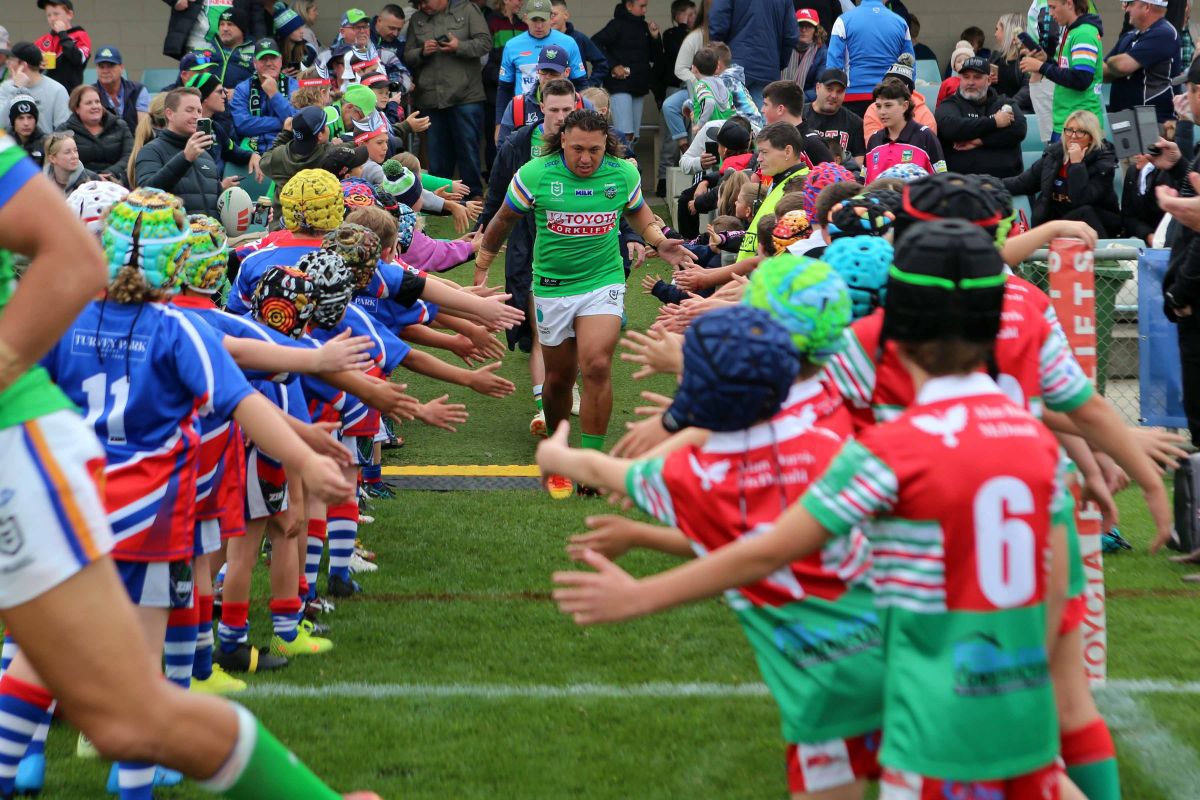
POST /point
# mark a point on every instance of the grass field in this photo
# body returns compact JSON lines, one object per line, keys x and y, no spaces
{"x":454,"y":676}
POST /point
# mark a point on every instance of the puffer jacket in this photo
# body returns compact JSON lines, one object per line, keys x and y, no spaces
{"x":1088,"y":183}
{"x":108,"y":152}
{"x":626,"y":41}
{"x":161,"y":165}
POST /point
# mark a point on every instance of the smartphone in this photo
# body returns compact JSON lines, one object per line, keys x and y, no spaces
{"x":1154,"y":150}
{"x":443,"y":39}
{"x":262,"y":212}
{"x":204,"y":125}
{"x":1028,"y":42}
{"x":711,"y":149}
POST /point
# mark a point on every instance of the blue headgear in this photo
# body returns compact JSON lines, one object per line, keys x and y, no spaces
{"x":863,"y":262}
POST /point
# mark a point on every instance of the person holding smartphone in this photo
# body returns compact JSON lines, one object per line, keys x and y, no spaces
{"x":179,"y":160}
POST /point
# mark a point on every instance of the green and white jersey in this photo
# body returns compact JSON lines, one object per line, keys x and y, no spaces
{"x":1079,"y":49}
{"x":577,"y":248}
{"x":33,"y":394}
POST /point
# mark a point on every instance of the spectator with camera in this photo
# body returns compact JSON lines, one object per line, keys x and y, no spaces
{"x":981,"y":131}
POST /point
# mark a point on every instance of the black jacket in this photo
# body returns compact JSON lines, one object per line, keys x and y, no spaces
{"x":1181,"y":284}
{"x":1140,"y":213}
{"x":1088,"y":183}
{"x":108,"y":152}
{"x":626,"y":41}
{"x":1010,"y":80}
{"x":180,"y":25}
{"x":960,"y":120}
{"x":161,"y":165}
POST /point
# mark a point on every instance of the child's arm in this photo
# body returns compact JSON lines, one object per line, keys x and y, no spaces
{"x":483,"y":380}
{"x":384,"y":396}
{"x":438,"y":413}
{"x":484,"y":343}
{"x":339,"y":353}
{"x":590,"y":467}
{"x":260,"y":420}
{"x":613,"y":536}
{"x":491,"y":311}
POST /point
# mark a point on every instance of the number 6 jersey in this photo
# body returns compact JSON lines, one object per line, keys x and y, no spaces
{"x":956,"y":497}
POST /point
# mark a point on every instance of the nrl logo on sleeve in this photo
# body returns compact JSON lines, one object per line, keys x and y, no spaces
{"x":580,"y":224}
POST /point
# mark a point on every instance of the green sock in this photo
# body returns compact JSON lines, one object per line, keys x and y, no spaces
{"x":1098,"y":780}
{"x":537,"y":396}
{"x":592,"y":441}
{"x":261,"y":768}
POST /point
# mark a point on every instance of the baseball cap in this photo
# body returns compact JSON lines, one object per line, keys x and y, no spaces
{"x":27,"y":52}
{"x":196,"y":60}
{"x":341,"y":158}
{"x":537,"y":9}
{"x":834,"y":75}
{"x":353,"y":16}
{"x":976,"y":64}
{"x":554,"y":58}
{"x":266,"y":47}
{"x":1160,"y":3}
{"x":808,"y":15}
{"x":731,"y":134}
{"x":361,"y":97}
{"x":4,"y":41}
{"x":108,"y":55}
{"x":67,"y":3}
{"x":306,"y":126}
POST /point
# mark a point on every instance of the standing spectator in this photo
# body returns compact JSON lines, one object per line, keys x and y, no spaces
{"x":734,"y":78}
{"x":387,"y":31}
{"x":127,"y":99}
{"x":828,"y":115}
{"x":761,"y":34}
{"x":260,"y":103}
{"x":354,"y":45}
{"x":185,"y":17}
{"x":518,"y":62}
{"x":23,"y":125}
{"x":27,"y":79}
{"x":1145,"y":59}
{"x":1076,"y":73}
{"x":921,"y":51}
{"x":807,"y":59}
{"x":981,"y":131}
{"x":62,"y":162}
{"x":783,"y":101}
{"x":711,"y":99}
{"x":902,"y":139}
{"x":683,"y":14}
{"x":866,"y":41}
{"x":226,"y":149}
{"x":1010,"y":80}
{"x":634,"y":48}
{"x":102,"y":139}
{"x":593,"y":59}
{"x":66,"y":48}
{"x":232,"y":55}
{"x":177,"y":159}
{"x":902,"y":72}
{"x":444,"y":49}
{"x":972,"y":38}
{"x":504,"y":23}
{"x":5,"y":52}
{"x":527,"y":109}
{"x":1074,"y":178}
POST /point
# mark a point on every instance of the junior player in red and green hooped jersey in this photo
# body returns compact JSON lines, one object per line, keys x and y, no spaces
{"x":578,"y":193}
{"x":956,"y":495}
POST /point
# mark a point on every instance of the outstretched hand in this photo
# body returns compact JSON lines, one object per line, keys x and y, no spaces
{"x":609,"y":594}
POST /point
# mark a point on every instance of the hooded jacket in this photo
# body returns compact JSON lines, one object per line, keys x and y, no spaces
{"x":962,"y":120}
{"x":626,"y":41}
{"x":1088,"y":183}
{"x":592,"y":55}
{"x":109,"y":151}
{"x":1076,"y":69}
{"x":72,"y":48}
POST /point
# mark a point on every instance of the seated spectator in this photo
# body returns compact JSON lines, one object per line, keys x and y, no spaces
{"x":594,"y":60}
{"x":62,"y":162}
{"x":27,"y":79}
{"x":981,"y":131}
{"x":289,"y":33}
{"x":127,"y":99}
{"x":902,"y":139}
{"x":902,"y":73}
{"x":190,"y":64}
{"x":1140,"y":214}
{"x":178,"y":161}
{"x":232,"y":54}
{"x":260,"y":103}
{"x":387,"y":31}
{"x":921,"y":51}
{"x":67,"y":47}
{"x":5,"y":52}
{"x":227,"y":148}
{"x":23,"y":125}
{"x":807,"y":59}
{"x":102,"y":139}
{"x":972,"y":39}
{"x":354,"y":39}
{"x":1074,"y":178}
{"x":313,"y":89}
{"x":526,"y":109}
{"x":828,"y":116}
{"x":310,"y":13}
{"x":148,"y":127}
{"x":962,"y":51}
{"x":1010,"y":81}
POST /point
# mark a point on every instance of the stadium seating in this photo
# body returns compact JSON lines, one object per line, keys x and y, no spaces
{"x":89,"y":75}
{"x":158,"y":79}
{"x":1029,"y":158}
{"x":1033,"y":137}
{"x":929,"y":72}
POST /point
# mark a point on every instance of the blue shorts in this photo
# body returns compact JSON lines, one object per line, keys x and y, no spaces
{"x":158,"y":584}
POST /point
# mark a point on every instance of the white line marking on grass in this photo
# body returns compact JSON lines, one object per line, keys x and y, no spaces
{"x":659,"y":690}
{"x":1166,"y":762}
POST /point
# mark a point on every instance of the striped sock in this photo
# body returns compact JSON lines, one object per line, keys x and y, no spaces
{"x":316,"y":546}
{"x":283,"y":617}
{"x":343,"y":530}
{"x":1091,"y":759}
{"x":537,"y":396}
{"x":234,"y":627}
{"x":202,"y":667}
{"x":372,"y":474}
{"x":8,"y":652}
{"x":135,"y":780}
{"x":23,"y":707}
{"x":179,"y":653}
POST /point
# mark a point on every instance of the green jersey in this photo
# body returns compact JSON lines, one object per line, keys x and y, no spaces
{"x":577,"y":248}
{"x":33,"y":394}
{"x":1079,"y":49}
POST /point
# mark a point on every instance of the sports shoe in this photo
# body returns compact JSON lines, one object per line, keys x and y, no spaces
{"x":369,"y":555}
{"x":31,"y":775}
{"x":586,"y":491}
{"x":537,"y":425}
{"x":560,"y":487}
{"x":342,"y":587}
{"x":315,"y":628}
{"x":247,"y":659}
{"x":84,"y":748}
{"x":365,"y":519}
{"x":305,"y":644}
{"x":360,"y":564}
{"x":575,"y":398}
{"x":219,"y":682}
{"x":167,"y":777}
{"x":317,"y":605}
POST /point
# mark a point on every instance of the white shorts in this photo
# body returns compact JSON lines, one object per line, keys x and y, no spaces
{"x":556,"y":315}
{"x":266,"y":486}
{"x":158,"y":584}
{"x":52,"y":517}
